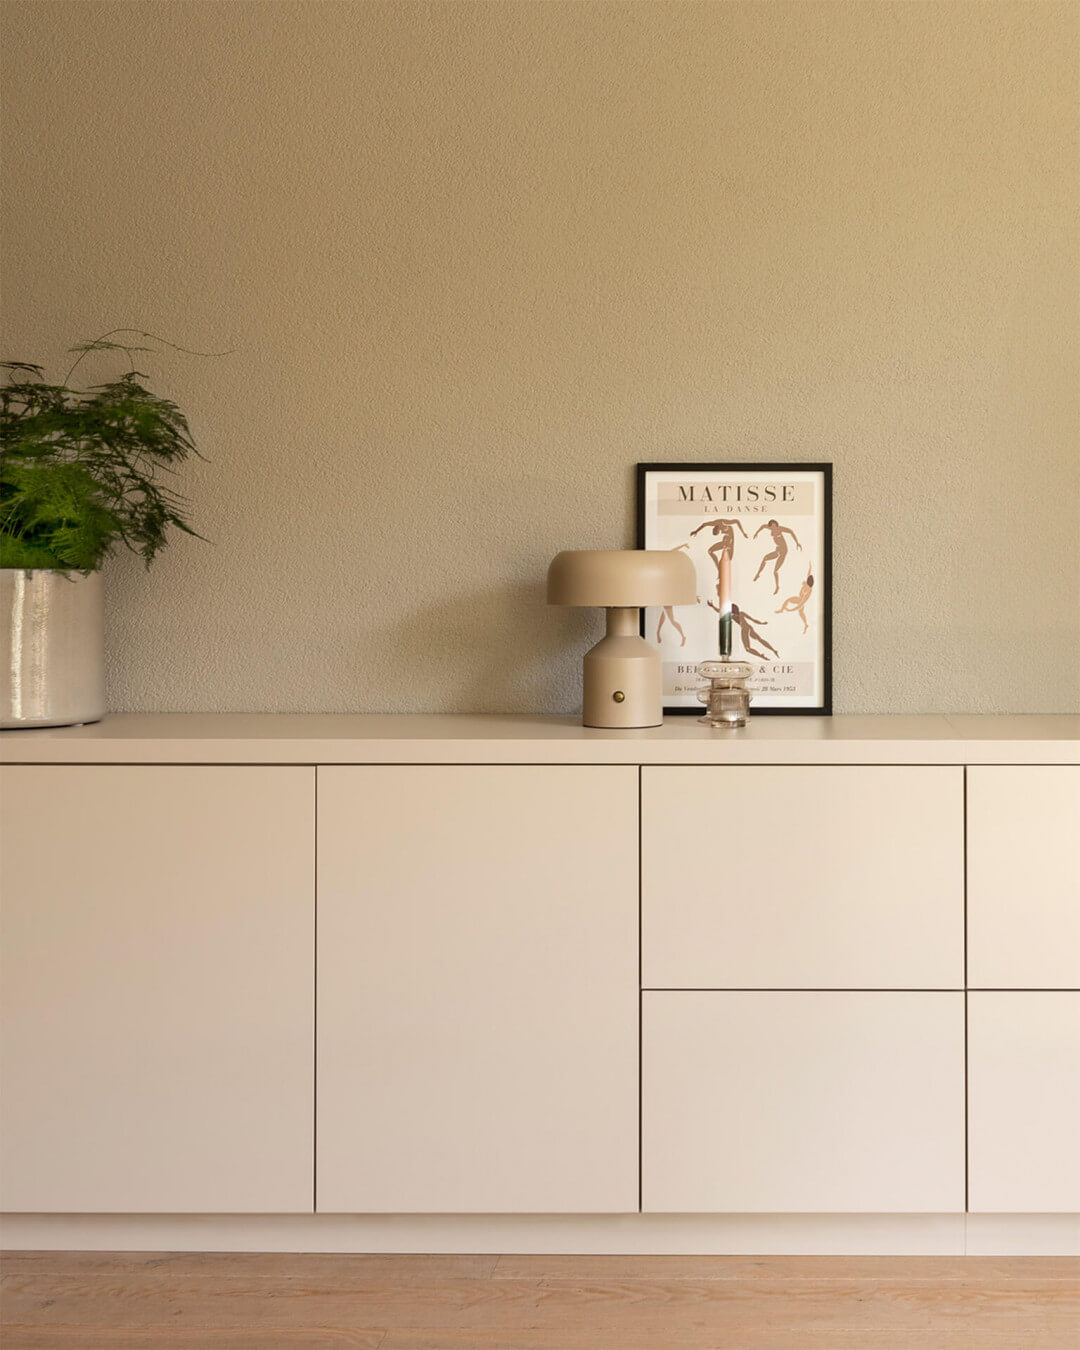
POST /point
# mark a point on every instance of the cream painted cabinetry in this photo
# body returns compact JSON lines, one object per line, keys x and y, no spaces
{"x":790,"y":918}
{"x":156,"y":941}
{"x":389,"y":977}
{"x":1023,"y":838}
{"x":478,"y":989}
{"x":791,"y":877}
{"x":1024,"y":1101}
{"x":825,"y":1102}
{"x":1024,"y":876}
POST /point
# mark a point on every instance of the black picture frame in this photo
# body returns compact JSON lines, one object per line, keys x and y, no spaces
{"x":825,"y":469}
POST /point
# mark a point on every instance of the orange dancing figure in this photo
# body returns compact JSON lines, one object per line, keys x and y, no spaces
{"x":726,"y":543}
{"x":797,"y":603}
{"x":780,"y":549}
{"x":725,"y":529}
{"x":667,"y":614}
{"x":749,"y":634}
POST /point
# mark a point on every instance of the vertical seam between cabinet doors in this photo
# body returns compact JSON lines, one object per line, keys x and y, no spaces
{"x":641,"y":1000}
{"x":315,"y":1008}
{"x":964,"y":895}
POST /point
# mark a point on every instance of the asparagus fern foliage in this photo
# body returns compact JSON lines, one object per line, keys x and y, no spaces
{"x":81,"y":469}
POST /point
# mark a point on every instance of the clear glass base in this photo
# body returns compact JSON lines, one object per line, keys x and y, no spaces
{"x":726,"y":697}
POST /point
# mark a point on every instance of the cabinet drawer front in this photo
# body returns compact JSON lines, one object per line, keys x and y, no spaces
{"x":1024,"y":1102}
{"x":478,"y":989}
{"x":802,"y":878}
{"x":803,"y":1102}
{"x":157,"y":989}
{"x":1024,"y":877}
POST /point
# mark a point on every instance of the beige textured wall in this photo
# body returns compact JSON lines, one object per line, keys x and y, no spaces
{"x":476,"y":260}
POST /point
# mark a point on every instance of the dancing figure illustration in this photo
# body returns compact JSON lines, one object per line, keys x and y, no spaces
{"x":780,"y":549}
{"x":726,"y":543}
{"x":749,"y":633}
{"x":667,"y":614}
{"x":797,"y":603}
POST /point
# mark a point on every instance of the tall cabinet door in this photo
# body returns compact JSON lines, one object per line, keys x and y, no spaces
{"x":156,"y":989}
{"x":477,"y":989}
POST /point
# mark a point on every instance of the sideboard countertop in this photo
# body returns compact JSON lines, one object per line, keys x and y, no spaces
{"x":393,"y":738}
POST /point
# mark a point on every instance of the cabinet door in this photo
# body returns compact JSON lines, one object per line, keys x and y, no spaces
{"x":478,"y":997}
{"x":1024,"y":877}
{"x":157,"y":989}
{"x":821,"y":877}
{"x":1024,"y":1102}
{"x":803,"y":1102}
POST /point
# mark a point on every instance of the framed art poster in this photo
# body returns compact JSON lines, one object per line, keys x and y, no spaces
{"x":774,"y":522}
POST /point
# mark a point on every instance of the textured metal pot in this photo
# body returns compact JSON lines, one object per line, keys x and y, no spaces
{"x":52,"y":646}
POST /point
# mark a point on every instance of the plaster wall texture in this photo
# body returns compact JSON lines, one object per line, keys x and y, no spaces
{"x":475,"y":260}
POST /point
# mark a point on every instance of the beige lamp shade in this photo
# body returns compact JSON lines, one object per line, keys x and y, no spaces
{"x":617,"y":578}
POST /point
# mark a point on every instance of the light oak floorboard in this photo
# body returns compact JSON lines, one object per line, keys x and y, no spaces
{"x":900,"y":1270}
{"x":239,"y":1302}
{"x":707,"y":1338}
{"x":503,"y":1305}
{"x":344,"y":1338}
{"x":318,"y":1266}
{"x":169,"y":1338}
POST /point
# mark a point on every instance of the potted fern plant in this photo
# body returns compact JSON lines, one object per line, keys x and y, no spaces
{"x":81,"y":475}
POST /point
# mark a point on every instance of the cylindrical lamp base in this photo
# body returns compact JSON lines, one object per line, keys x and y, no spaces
{"x":622,"y":678}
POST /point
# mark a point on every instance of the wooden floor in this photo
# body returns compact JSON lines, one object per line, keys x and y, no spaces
{"x":118,"y":1301}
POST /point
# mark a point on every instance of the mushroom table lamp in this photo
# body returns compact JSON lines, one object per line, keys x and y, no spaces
{"x":622,"y":673}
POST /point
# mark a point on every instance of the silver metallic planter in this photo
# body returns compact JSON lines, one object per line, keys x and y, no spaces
{"x":52,"y":645}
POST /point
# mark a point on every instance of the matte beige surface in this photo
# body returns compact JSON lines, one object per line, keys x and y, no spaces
{"x":474,"y":260}
{"x":787,"y":1102}
{"x":169,"y":1301}
{"x":622,"y":577}
{"x":621,"y":678}
{"x":1024,"y":1102}
{"x":802,"y":877}
{"x":478,"y":990}
{"x":157,"y":998}
{"x":1023,"y":868}
{"x":313,"y":738}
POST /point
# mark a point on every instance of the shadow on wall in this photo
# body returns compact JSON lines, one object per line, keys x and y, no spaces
{"x":501,"y":649}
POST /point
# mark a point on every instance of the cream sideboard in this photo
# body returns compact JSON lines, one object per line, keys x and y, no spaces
{"x":452,"y":983}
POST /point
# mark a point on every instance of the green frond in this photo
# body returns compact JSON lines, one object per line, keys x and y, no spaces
{"x":80,"y":468}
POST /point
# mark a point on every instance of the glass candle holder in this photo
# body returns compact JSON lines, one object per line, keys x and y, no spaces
{"x":726,"y":697}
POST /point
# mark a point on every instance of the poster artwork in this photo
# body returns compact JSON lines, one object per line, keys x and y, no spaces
{"x":773,"y":521}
